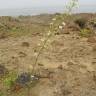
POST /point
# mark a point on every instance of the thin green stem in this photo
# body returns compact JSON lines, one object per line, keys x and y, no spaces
{"x":39,"y":53}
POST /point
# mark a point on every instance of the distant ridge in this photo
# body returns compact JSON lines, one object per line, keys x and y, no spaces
{"x":44,"y":10}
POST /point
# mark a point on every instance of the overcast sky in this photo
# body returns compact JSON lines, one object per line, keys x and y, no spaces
{"x":37,"y":3}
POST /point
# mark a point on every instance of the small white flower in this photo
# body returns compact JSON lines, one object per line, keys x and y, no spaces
{"x":32,"y":76}
{"x":54,"y":19}
{"x":60,"y":27}
{"x":63,"y":23}
{"x":49,"y":33}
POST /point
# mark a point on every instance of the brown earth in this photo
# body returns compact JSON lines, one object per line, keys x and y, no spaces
{"x":69,"y":62}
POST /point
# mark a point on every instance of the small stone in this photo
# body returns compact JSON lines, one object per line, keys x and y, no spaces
{"x":66,"y":32}
{"x":60,"y":67}
{"x":22,"y":54}
{"x":91,"y":40}
{"x":94,"y":48}
{"x":70,"y":63}
{"x":44,"y":73}
{"x":25,"y":44}
{"x":39,"y":64}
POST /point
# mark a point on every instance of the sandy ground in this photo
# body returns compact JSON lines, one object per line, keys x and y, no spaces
{"x":69,"y":61}
{"x":76,"y":76}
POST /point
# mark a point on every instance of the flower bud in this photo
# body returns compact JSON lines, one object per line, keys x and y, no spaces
{"x":63,"y":23}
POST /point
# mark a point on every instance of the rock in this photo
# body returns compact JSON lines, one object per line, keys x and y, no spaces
{"x":39,"y":64}
{"x":91,"y":40}
{"x":3,"y":35}
{"x":60,"y":67}
{"x":25,"y":44}
{"x":45,"y":73}
{"x":22,"y":54}
{"x":66,"y":32}
{"x":3,"y":70}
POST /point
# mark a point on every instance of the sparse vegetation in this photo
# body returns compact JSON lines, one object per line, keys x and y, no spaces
{"x":34,"y":48}
{"x":85,"y":32}
{"x":3,"y":71}
{"x":81,"y":22}
{"x":9,"y":79}
{"x":56,"y":25}
{"x":93,"y":22}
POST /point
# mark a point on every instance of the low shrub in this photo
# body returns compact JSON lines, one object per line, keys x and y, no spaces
{"x":81,"y":22}
{"x":93,"y":23}
{"x":10,"y":79}
{"x":86,"y":32}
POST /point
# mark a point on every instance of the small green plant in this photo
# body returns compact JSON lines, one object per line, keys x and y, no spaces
{"x":9,"y":79}
{"x":85,"y":32}
{"x":1,"y":93}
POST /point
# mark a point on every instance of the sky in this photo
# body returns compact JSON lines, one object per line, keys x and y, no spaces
{"x":39,"y":3}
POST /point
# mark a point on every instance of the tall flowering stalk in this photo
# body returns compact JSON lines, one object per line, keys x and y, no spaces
{"x":72,"y":4}
{"x":40,"y":51}
{"x":53,"y":28}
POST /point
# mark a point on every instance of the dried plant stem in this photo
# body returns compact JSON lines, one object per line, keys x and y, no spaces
{"x":69,"y":7}
{"x":40,"y":52}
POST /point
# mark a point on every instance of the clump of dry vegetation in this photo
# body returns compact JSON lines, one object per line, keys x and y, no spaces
{"x":81,"y":22}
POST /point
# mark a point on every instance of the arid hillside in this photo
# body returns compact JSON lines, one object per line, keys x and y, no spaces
{"x":66,"y":67}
